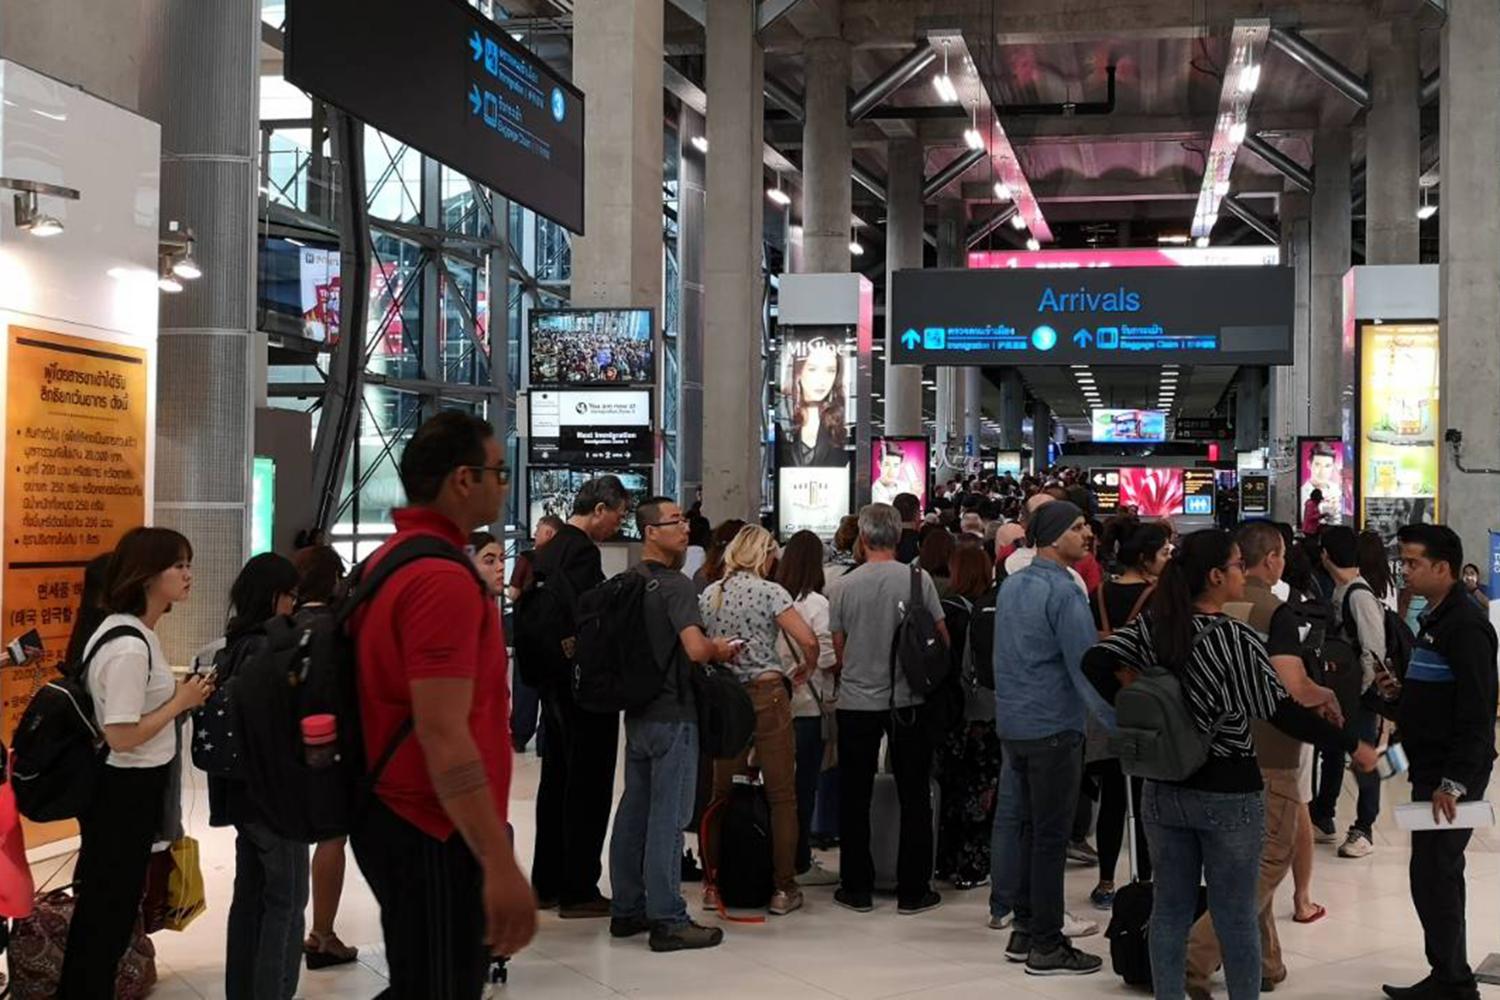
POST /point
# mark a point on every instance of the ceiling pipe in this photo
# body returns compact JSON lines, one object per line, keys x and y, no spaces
{"x":1285,"y":165}
{"x":1322,"y":65}
{"x":1235,"y":208}
{"x":891,"y":80}
{"x":784,"y":97}
{"x":995,"y":221}
{"x":955,"y":169}
{"x":1432,"y":86}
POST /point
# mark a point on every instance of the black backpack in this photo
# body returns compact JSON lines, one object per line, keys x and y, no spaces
{"x":917,"y":647}
{"x":726,"y":715}
{"x":982,"y":641}
{"x":545,"y":619}
{"x":309,"y":667}
{"x":216,"y":743}
{"x":58,"y":748}
{"x":614,"y":666}
{"x":1399,"y":640}
{"x":745,"y":877}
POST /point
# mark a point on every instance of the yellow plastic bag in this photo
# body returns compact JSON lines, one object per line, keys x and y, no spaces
{"x":185,"y":894}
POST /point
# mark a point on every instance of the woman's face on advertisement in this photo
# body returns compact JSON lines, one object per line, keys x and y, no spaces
{"x":820,"y":371}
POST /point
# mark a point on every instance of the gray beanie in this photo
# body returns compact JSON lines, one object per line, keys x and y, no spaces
{"x":1049,"y":521}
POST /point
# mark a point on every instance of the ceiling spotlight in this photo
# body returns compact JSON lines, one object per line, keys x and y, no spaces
{"x":187,"y":267}
{"x":167,"y":281}
{"x":1032,"y":243}
{"x":46,"y":225}
{"x":1237,"y":133}
{"x":971,"y":134}
{"x":700,"y":143}
{"x":29,"y":215}
{"x":1018,"y":221}
{"x":943,"y":83}
{"x":1002,"y":191}
{"x":856,"y":248}
{"x":1201,"y":242}
{"x":1427,"y":209}
{"x":1221,"y":188}
{"x":777,"y":195}
{"x":1249,"y":79}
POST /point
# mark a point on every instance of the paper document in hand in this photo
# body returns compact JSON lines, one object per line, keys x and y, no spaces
{"x":1471,"y":816}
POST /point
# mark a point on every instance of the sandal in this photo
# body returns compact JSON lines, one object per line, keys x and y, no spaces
{"x":1318,"y":913}
{"x":326,"y":951}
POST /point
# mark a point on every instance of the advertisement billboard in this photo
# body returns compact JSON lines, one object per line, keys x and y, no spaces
{"x":815,"y":410}
{"x":1198,"y":487}
{"x":1400,"y":429}
{"x":1106,"y":486}
{"x":582,"y":347}
{"x":812,"y":498}
{"x":591,"y":427}
{"x":1129,"y":426}
{"x":551,"y":491}
{"x":1008,"y":462}
{"x":898,"y":465}
{"x":1323,"y":465}
{"x":1154,"y":492}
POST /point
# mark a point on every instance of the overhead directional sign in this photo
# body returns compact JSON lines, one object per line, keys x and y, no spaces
{"x":451,"y":83}
{"x":1111,"y":316}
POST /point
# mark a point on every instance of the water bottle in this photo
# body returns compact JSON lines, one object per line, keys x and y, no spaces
{"x":1392,"y":762}
{"x":320,"y":740}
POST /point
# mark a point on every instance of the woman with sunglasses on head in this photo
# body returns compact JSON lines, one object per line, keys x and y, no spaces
{"x":1211,"y":825}
{"x":752,"y":610}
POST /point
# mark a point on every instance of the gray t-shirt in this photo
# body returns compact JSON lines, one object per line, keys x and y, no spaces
{"x":865,"y":605}
{"x":745,"y":607}
{"x":670,"y":608}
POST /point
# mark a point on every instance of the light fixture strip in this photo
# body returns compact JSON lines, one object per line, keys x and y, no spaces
{"x":1247,"y":44}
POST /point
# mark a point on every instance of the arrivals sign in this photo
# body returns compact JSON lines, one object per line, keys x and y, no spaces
{"x":448,"y":81}
{"x":1110,"y":316}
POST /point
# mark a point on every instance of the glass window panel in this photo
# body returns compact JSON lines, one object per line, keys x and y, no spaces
{"x":462,"y":361}
{"x":387,"y":422}
{"x":554,"y":254}
{"x":460,"y":209}
{"x":395,"y":308}
{"x":393,"y":178}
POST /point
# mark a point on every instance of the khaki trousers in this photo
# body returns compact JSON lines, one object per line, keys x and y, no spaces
{"x":775,"y":749}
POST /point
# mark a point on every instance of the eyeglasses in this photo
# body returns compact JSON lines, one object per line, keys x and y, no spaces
{"x":667,"y":524}
{"x":1238,"y":564}
{"x":502,"y":474}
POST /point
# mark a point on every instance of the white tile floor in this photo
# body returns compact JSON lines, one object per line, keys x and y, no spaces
{"x":1370,"y":936}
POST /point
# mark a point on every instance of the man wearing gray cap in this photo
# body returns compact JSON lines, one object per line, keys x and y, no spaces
{"x":1042,"y":629}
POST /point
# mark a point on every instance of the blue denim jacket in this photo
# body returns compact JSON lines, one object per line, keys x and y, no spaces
{"x":1043,"y":627}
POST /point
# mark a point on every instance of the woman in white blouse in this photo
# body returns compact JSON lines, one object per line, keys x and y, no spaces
{"x":136,"y":700}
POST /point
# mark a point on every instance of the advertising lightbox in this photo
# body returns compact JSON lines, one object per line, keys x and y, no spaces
{"x":1323,"y":465}
{"x":899,"y":465}
{"x":815,"y":412}
{"x":1008,"y":462}
{"x":1129,"y":426}
{"x":1153,"y":492}
{"x":584,"y":347}
{"x":1400,"y":429}
{"x":812,"y":498}
{"x":591,"y":427}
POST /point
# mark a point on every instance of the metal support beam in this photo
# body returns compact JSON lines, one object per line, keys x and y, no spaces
{"x":867,"y":180}
{"x":891,"y":80}
{"x":767,"y":11}
{"x":345,"y":388}
{"x":784,"y":97}
{"x":952,"y":172}
{"x":1432,"y":85}
{"x":695,"y":9}
{"x":995,"y":221}
{"x":1322,"y":65}
{"x":1249,"y":218}
{"x":1285,"y":165}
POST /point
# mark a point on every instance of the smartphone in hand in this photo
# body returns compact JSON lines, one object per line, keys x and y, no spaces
{"x":25,"y":648}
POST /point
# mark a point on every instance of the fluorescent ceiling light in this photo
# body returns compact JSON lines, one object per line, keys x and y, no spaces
{"x":1002,"y":191}
{"x":856,"y":248}
{"x":1201,"y":242}
{"x":700,"y":143}
{"x":1247,"y":44}
{"x":1176,"y":240}
{"x":1424,"y":213}
{"x":1017,"y":221}
{"x":1032,"y":243}
{"x":779,"y":196}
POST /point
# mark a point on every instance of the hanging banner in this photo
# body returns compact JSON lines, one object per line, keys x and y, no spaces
{"x":75,"y":481}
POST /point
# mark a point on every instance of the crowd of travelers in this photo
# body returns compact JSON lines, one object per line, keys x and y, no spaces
{"x":929,"y":701}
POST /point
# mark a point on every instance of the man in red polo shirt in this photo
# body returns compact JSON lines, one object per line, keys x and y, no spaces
{"x":434,"y":846}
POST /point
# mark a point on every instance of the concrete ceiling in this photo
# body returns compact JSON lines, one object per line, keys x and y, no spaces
{"x":1199,"y":390}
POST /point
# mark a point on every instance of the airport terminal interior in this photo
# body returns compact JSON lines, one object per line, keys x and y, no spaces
{"x":1196,"y":263}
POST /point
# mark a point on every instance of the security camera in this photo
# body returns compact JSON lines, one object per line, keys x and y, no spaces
{"x":1454,"y":436}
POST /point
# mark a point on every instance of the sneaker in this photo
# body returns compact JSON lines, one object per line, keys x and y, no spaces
{"x":685,"y":937}
{"x":817,"y":875}
{"x":930,"y":901}
{"x":1018,"y":948}
{"x":1065,"y":961}
{"x":711,"y":898}
{"x":1075,"y":927}
{"x":1001,"y":922}
{"x":1102,"y":898}
{"x":591,"y":909}
{"x":1324,"y":831}
{"x":965,"y":884}
{"x":1356,"y":845}
{"x":784,"y":901}
{"x":1080,"y":852}
{"x":691,"y":871}
{"x":859,"y":902}
{"x":624,"y":927}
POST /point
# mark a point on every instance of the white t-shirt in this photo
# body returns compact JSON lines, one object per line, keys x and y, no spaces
{"x":126,"y":685}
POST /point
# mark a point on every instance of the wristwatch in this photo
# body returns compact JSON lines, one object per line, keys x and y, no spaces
{"x":1453,"y":788}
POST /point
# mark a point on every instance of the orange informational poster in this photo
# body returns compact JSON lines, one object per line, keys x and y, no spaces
{"x":75,"y":481}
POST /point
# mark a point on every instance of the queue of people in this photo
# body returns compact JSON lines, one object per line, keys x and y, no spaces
{"x":1048,"y":619}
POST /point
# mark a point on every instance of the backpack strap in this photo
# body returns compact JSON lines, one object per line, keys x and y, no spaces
{"x":1346,"y":612}
{"x":118,"y":632}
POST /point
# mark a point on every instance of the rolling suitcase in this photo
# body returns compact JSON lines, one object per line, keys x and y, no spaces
{"x":1130,"y":922}
{"x":885,"y":829}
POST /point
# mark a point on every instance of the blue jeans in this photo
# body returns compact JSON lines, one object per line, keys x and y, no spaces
{"x":1216,"y":837}
{"x":1366,"y":725}
{"x":525,"y":711}
{"x":809,"y":733}
{"x":266,"y":915}
{"x":1039,"y":783}
{"x":645,"y":851}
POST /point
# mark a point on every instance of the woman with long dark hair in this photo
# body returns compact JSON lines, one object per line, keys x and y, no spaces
{"x":136,"y":700}
{"x":935,"y":555}
{"x":265,"y":943}
{"x":800,"y":572}
{"x":1212,"y":824}
{"x":816,"y":406}
{"x":1375,"y":566}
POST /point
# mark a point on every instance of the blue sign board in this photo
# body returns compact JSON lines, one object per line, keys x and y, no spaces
{"x":1100,"y":316}
{"x":448,"y":81}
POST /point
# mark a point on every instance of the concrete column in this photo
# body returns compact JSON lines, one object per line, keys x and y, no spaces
{"x":734,"y":380}
{"x":1041,"y":432}
{"x":617,"y":59}
{"x":208,"y":349}
{"x":826,"y":192}
{"x":691,"y":226}
{"x":948,"y":419}
{"x":1249,"y":410}
{"x":1330,"y":261}
{"x":1012,"y":410}
{"x":1289,"y":388}
{"x":903,"y":249}
{"x":1470,"y":126}
{"x":1393,"y":138}
{"x":973,"y":410}
{"x":951,"y":398}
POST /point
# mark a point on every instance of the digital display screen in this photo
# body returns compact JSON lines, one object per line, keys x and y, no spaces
{"x":299,"y":281}
{"x":1153,"y":492}
{"x":812,"y":498}
{"x":1106,"y":486}
{"x":552,"y":491}
{"x":1098,"y":316}
{"x":1129,"y":426}
{"x":1400,"y":426}
{"x":1198,"y":486}
{"x":1323,"y":466}
{"x":1008,"y":462}
{"x":591,"y":427}
{"x":898,"y":465}
{"x":575,"y":347}
{"x":815,"y":409}
{"x":467,"y":93}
